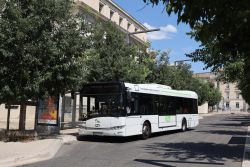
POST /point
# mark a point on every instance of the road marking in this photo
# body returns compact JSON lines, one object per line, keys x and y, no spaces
{"x":246,"y":156}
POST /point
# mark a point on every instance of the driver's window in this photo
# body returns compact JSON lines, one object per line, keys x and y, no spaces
{"x":83,"y":108}
{"x":92,"y":104}
{"x":134,"y":104}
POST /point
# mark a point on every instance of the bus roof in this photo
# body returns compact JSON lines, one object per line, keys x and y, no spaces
{"x":158,"y":89}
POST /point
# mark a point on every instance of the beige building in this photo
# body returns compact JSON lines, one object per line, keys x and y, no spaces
{"x":108,"y":10}
{"x":231,"y":97}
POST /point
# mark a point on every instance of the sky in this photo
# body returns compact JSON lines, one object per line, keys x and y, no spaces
{"x":171,"y":37}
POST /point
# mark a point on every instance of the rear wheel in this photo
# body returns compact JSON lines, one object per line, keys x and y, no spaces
{"x":146,"y":130}
{"x":184,"y":126}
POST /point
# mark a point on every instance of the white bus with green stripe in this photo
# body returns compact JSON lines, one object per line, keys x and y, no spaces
{"x":126,"y":109}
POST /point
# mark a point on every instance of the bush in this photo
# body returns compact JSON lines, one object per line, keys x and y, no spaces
{"x":15,"y":135}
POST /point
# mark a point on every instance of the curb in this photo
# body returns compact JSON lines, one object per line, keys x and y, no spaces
{"x":44,"y":154}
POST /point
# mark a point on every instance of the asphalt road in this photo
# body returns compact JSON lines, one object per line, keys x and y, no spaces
{"x":217,"y":141}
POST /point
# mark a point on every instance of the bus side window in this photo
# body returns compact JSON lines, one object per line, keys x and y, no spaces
{"x":162,"y":105}
{"x":145,"y":104}
{"x":134,"y":104}
{"x":178,"y":105}
{"x":156,"y":105}
{"x":171,"y":107}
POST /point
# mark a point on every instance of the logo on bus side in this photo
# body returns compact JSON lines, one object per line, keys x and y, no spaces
{"x":136,"y":87}
{"x":97,"y":123}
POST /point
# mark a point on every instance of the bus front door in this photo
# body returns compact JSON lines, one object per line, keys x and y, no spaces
{"x":167,"y":115}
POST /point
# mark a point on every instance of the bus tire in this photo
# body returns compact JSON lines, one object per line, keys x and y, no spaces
{"x":184,"y":125}
{"x":146,"y":130}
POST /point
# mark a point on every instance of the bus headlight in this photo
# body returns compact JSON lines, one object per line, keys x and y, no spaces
{"x":117,"y":127}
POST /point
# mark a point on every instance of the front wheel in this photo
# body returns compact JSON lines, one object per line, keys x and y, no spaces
{"x":184,"y":126}
{"x":146,"y":130}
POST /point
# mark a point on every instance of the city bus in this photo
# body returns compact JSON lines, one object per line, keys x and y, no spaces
{"x":126,"y":109}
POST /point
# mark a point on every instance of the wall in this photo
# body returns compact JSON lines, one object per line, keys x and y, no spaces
{"x":203,"y":109}
{"x":14,"y":117}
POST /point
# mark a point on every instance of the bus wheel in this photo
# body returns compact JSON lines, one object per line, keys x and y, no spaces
{"x":146,"y":130}
{"x":184,"y":125}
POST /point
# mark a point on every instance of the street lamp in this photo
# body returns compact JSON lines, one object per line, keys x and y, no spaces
{"x":175,"y":62}
{"x":139,"y":32}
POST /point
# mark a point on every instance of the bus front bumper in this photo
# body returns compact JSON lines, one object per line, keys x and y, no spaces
{"x":101,"y":132}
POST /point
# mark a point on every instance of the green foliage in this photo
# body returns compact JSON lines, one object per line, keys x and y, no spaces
{"x":41,"y":46}
{"x":177,"y":77}
{"x":206,"y":92}
{"x":180,"y":78}
{"x":223,"y":29}
{"x":112,"y":59}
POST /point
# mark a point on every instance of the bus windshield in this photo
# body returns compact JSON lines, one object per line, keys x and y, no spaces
{"x":105,"y":105}
{"x":102,"y":100}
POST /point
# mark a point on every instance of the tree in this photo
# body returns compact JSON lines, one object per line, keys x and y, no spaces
{"x":223,"y":28}
{"x":178,"y":77}
{"x":201,"y":88}
{"x":111,"y":58}
{"x":181,"y":78}
{"x":41,"y":50}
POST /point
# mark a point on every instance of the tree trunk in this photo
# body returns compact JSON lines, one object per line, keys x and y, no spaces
{"x":22,"y":117}
{"x":8,"y":119}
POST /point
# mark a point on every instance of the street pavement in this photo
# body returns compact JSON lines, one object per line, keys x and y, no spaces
{"x":19,"y":153}
{"x":218,"y":141}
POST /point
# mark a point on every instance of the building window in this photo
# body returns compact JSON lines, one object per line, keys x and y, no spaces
{"x":237,"y":95}
{"x":111,"y":14}
{"x":120,"y":20}
{"x":237,"y":105}
{"x":227,"y":105}
{"x":128,"y":26}
{"x":227,"y":86}
{"x":101,"y":5}
{"x":227,"y":95}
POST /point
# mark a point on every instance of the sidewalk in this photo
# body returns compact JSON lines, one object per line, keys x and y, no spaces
{"x":20,"y":153}
{"x":220,"y":112}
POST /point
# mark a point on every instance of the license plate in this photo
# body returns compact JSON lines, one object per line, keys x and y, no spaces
{"x":97,"y":133}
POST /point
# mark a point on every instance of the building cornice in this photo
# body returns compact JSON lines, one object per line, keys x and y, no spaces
{"x":126,"y":14}
{"x":100,"y":16}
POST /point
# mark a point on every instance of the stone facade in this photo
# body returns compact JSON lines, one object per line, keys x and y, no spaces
{"x":231,"y":98}
{"x":111,"y":11}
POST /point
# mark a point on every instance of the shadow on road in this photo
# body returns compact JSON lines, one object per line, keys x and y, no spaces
{"x":108,"y":139}
{"x":162,"y":163}
{"x":229,"y":124}
{"x":187,"y":152}
{"x":224,"y":132}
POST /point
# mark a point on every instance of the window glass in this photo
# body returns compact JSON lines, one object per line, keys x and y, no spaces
{"x":237,"y":95}
{"x":186,"y":106}
{"x":156,"y":104}
{"x":145,"y":104}
{"x":111,"y":14}
{"x":128,"y":26}
{"x":237,"y":105}
{"x":101,"y":5}
{"x":178,"y":105}
{"x":120,"y":20}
